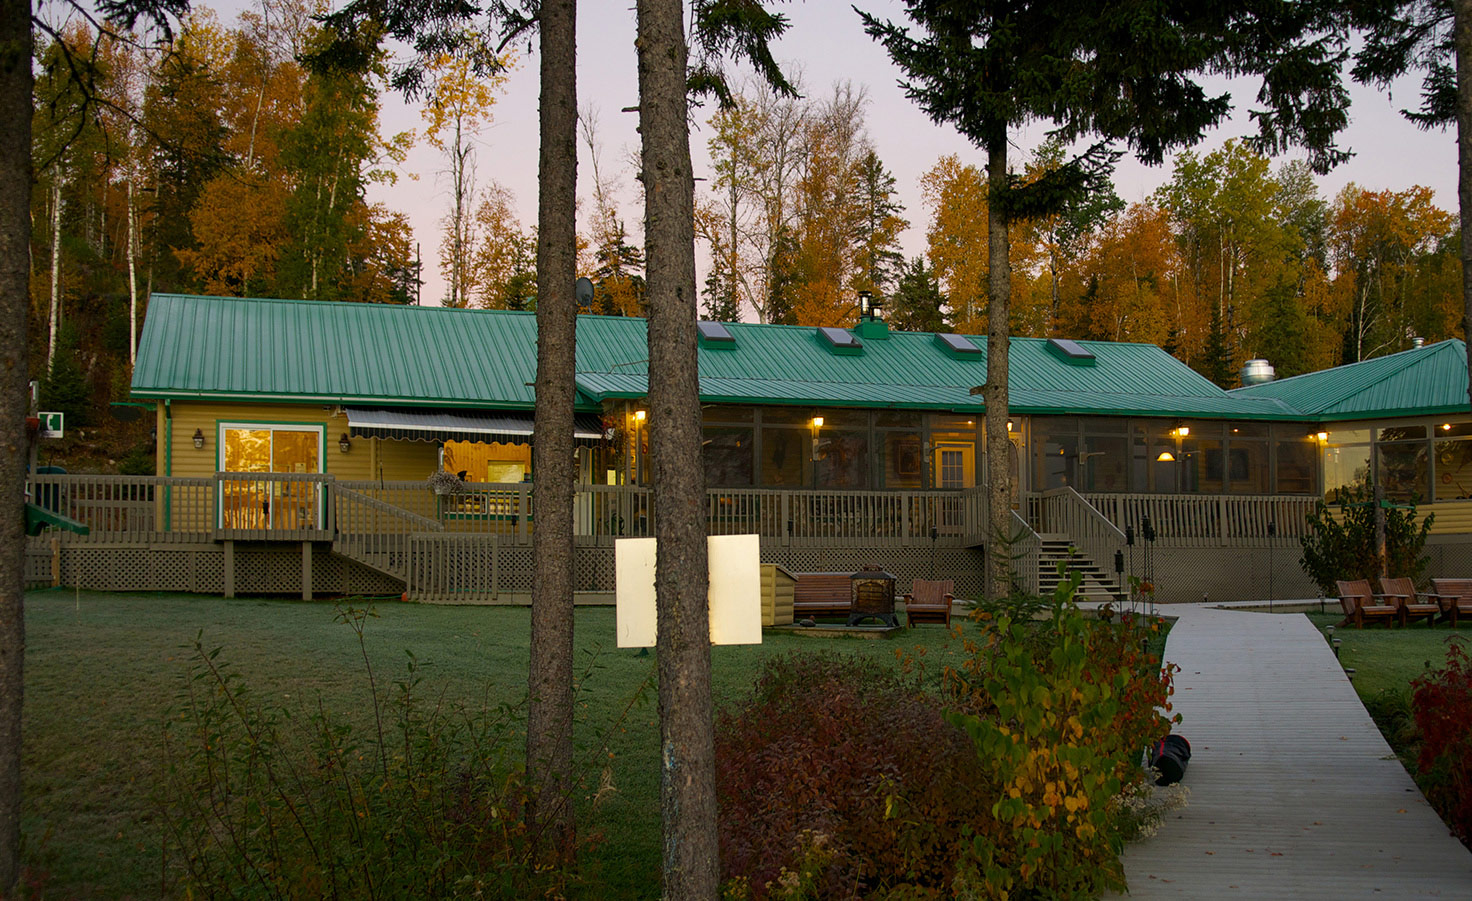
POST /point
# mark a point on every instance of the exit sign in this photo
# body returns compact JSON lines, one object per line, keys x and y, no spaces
{"x":52,"y":425}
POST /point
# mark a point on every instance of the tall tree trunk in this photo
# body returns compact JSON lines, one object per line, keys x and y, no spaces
{"x":687,"y":746}
{"x":998,"y":445}
{"x":549,"y":708}
{"x":132,"y":278}
{"x":55,"y":268}
{"x":1462,"y":36}
{"x":15,"y":242}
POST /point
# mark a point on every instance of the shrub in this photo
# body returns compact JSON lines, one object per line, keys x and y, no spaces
{"x":1443,"y":710}
{"x":840,"y":778}
{"x":1343,"y":547}
{"x":1060,"y":713}
{"x":265,"y":803}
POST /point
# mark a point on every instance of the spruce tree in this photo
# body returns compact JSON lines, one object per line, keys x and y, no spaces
{"x":1122,"y":70}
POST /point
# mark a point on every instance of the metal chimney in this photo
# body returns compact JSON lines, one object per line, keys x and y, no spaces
{"x":1255,"y":372}
{"x":1418,"y":342}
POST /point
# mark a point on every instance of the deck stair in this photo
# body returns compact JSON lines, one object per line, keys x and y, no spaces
{"x":1055,"y":550}
{"x":376,"y":533}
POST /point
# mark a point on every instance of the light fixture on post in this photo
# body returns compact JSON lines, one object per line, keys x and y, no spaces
{"x":816,"y":423}
{"x":199,"y":439}
{"x":343,"y":444}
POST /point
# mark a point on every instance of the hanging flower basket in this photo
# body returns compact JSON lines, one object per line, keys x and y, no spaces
{"x":443,"y":483}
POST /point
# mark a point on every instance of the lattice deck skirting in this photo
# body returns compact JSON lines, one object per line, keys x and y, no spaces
{"x":466,"y":568}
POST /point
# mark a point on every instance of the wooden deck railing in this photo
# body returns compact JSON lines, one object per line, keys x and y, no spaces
{"x":289,"y":506}
{"x":1064,"y":511}
{"x":274,"y":506}
{"x":1025,"y":547}
{"x":376,"y":532}
{"x":1183,"y":520}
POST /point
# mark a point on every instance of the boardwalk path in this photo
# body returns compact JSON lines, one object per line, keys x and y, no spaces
{"x":1293,"y":791}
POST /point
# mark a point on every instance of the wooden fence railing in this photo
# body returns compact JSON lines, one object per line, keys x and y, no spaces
{"x":1064,"y":511}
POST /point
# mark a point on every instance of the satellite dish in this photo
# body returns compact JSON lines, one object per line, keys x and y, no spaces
{"x":583,"y":291}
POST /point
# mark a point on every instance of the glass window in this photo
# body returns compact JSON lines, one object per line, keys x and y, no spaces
{"x":1345,"y":466}
{"x":844,"y":419}
{"x":727,"y":413}
{"x":785,"y":457}
{"x":1404,"y":472}
{"x":898,"y":419}
{"x":1247,"y":467}
{"x":903,"y":462}
{"x":1298,"y":463}
{"x":1105,"y":463}
{"x":1057,"y":458}
{"x":787,"y":415}
{"x":843,"y":460}
{"x":1348,"y":436}
{"x":1453,"y":429}
{"x":1453,"y":470}
{"x":482,"y":461}
{"x":1247,"y":430}
{"x":954,"y":423}
{"x":728,"y":456}
{"x":1403,"y":433}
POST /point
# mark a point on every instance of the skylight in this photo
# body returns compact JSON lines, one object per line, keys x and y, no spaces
{"x":1071,"y":351}
{"x":840,"y":340}
{"x":959,"y":345}
{"x":715,"y":334}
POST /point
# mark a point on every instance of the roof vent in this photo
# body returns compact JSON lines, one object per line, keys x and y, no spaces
{"x":958,"y":346}
{"x":1071,"y":352}
{"x":840,"y":341}
{"x":715,"y":335}
{"x":1418,"y":342}
{"x":1257,"y":372}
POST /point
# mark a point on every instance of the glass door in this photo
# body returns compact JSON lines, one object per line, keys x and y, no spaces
{"x":270,"y":502}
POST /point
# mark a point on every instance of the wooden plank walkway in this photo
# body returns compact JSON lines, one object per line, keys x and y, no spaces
{"x":1293,"y":791}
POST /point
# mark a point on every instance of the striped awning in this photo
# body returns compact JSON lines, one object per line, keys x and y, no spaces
{"x":500,"y":426}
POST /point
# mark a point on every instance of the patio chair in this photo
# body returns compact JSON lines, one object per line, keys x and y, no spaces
{"x":1412,"y":605}
{"x":930,"y":602}
{"x":1360,"y":604}
{"x":1454,"y":596}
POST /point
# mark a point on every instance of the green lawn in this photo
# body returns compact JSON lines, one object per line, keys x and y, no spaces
{"x":1390,"y":657}
{"x":104,"y":670}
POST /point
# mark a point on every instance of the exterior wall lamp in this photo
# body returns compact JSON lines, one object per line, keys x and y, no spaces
{"x":199,"y":439}
{"x":817,"y":426}
{"x":343,"y":444}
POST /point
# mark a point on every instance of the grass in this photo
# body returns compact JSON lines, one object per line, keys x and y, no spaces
{"x":1390,"y":657}
{"x":103,"y":671}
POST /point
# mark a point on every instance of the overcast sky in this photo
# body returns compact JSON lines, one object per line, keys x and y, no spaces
{"x":827,"y":44}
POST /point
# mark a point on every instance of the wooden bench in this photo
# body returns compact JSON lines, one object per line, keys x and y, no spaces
{"x":822,"y":594}
{"x":1454,"y":596}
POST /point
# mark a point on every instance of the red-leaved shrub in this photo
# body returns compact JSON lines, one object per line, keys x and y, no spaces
{"x":1443,"y":709}
{"x":841,"y":776}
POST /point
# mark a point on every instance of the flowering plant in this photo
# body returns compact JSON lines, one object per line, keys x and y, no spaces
{"x":445,"y":482}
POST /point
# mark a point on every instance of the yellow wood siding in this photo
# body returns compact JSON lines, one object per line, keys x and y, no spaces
{"x":369,"y":458}
{"x":1452,"y":517}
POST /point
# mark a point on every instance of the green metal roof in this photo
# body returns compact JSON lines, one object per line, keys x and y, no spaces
{"x":372,"y":354}
{"x":1418,"y":382}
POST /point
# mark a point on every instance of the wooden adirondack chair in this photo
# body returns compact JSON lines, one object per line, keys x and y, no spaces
{"x":1360,"y":603}
{"x":1455,"y":597}
{"x":930,"y":602}
{"x":1412,"y":606}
